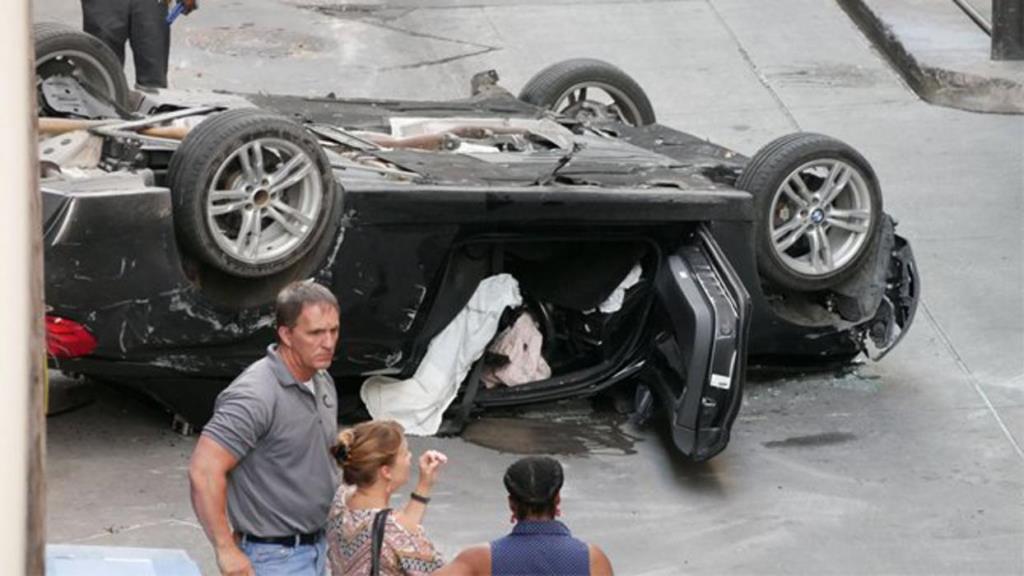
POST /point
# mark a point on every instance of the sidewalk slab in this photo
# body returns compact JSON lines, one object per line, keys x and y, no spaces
{"x":943,"y":55}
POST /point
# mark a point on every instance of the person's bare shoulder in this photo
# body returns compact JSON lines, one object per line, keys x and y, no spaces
{"x":600,"y":565}
{"x":472,"y":561}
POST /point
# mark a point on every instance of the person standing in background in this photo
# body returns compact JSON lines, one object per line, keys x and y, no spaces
{"x":143,"y":23}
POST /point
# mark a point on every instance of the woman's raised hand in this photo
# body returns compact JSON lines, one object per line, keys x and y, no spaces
{"x":431,"y":462}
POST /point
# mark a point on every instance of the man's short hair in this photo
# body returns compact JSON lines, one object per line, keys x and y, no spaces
{"x":533,"y":483}
{"x":296,"y":296}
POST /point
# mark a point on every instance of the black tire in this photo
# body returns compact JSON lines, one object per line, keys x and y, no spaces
{"x":764,"y":177}
{"x":207,"y":149}
{"x":548,"y":87}
{"x":62,"y":49}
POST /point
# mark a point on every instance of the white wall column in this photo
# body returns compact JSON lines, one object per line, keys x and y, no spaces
{"x":22,"y":421}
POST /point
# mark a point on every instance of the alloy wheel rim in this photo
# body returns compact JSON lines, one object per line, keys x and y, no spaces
{"x":264,"y":200}
{"x":820,"y":217}
{"x":578,"y":102}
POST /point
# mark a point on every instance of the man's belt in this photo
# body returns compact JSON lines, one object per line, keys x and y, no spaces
{"x":290,"y":540}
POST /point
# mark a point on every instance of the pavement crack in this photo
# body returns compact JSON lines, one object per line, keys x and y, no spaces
{"x":115,"y":530}
{"x":371,"y":18}
{"x":757,"y":72}
{"x":438,"y":61}
{"x":427,"y":35}
{"x":490,"y":23}
{"x":971,"y":377}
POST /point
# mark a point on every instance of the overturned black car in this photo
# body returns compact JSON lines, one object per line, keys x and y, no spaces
{"x":171,"y":221}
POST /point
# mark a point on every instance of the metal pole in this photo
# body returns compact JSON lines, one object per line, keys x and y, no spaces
{"x":1007,"y":30}
{"x":22,"y":423}
{"x":975,"y":16}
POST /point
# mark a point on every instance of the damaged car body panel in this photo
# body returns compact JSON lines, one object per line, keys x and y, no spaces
{"x":488,"y":185}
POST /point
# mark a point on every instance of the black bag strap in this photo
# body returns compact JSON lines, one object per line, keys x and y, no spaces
{"x":380,"y":522}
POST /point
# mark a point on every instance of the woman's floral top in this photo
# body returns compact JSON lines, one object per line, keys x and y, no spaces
{"x":349,"y":542}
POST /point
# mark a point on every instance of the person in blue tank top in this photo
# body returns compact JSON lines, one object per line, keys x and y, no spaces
{"x":538,"y":544}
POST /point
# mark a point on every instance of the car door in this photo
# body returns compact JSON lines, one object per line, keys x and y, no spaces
{"x":700,"y":355}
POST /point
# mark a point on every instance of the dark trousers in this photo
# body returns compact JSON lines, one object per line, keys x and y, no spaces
{"x":143,"y":23}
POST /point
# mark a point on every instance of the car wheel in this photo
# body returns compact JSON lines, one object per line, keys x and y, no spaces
{"x":253,"y":192}
{"x":64,"y":51}
{"x":587,"y":89}
{"x":818,"y":207}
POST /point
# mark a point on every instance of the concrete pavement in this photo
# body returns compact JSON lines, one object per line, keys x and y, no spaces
{"x":909,"y":466}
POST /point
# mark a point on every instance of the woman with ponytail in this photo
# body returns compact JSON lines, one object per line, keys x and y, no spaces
{"x":365,"y":537}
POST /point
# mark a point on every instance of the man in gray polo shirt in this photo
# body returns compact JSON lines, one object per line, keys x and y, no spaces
{"x":263,"y":460}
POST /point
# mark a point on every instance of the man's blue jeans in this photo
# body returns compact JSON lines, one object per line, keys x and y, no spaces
{"x":277,"y":560}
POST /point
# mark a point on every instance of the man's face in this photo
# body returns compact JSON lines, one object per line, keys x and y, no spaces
{"x":313,"y":338}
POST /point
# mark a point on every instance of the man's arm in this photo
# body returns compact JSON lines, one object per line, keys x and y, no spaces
{"x":208,"y":479}
{"x":473,"y":561}
{"x":599,"y":563}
